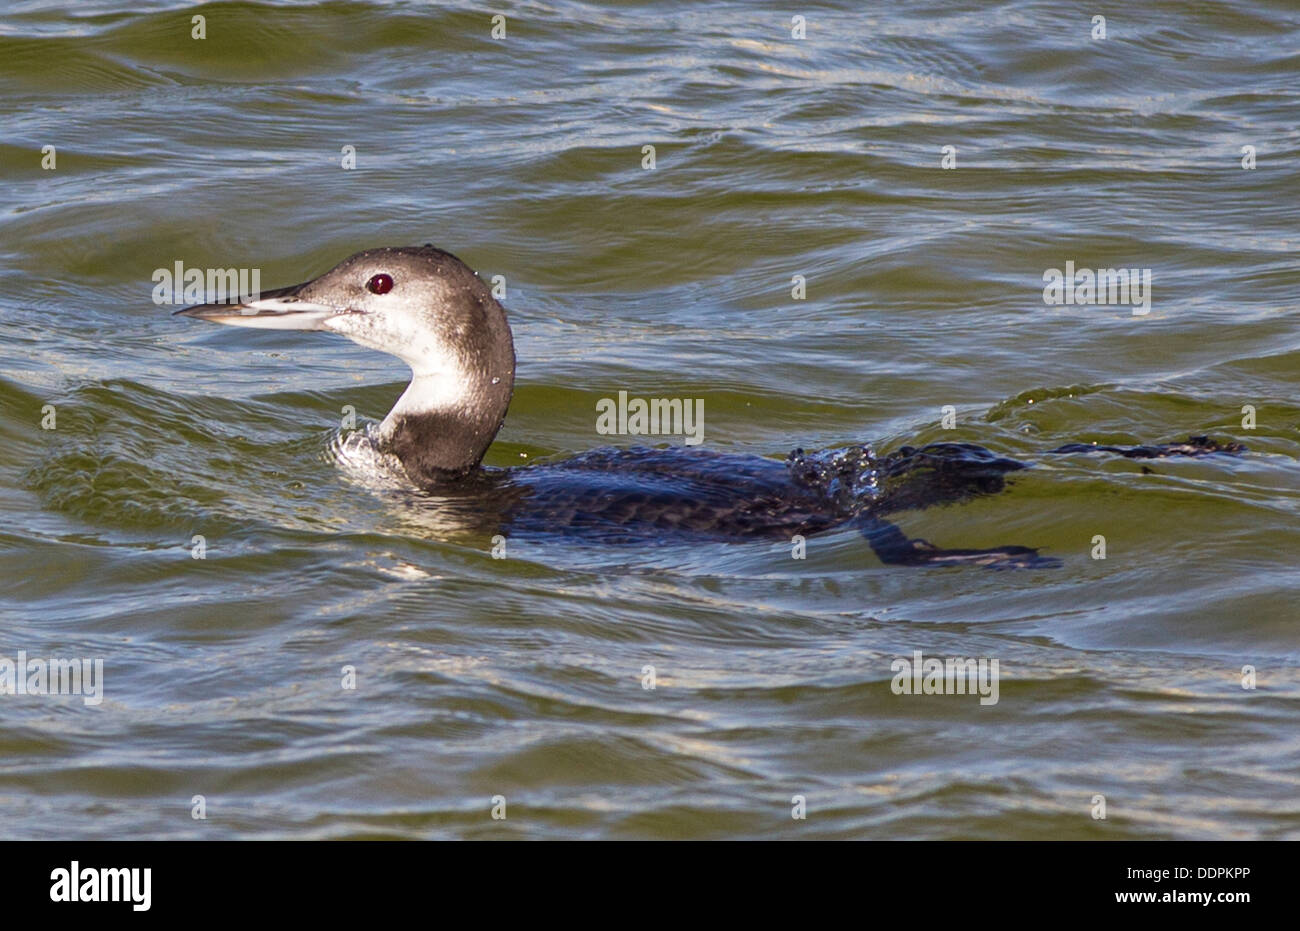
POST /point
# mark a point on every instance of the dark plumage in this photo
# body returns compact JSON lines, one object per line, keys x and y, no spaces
{"x":426,"y":307}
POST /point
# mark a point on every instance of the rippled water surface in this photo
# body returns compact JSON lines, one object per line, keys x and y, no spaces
{"x":775,"y":157}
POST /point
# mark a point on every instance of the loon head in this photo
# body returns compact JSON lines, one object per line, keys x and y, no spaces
{"x":427,"y":308}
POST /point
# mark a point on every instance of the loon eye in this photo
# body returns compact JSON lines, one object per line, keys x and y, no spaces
{"x":380,"y":284}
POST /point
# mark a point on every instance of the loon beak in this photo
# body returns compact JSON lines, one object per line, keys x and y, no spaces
{"x":281,"y":309}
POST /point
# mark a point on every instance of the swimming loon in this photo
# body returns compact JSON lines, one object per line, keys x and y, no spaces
{"x":429,"y":309}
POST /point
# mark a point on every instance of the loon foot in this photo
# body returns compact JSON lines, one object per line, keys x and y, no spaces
{"x":1195,"y":446}
{"x":895,"y":548}
{"x":925,"y":553}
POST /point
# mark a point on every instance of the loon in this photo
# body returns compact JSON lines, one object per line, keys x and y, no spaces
{"x":429,"y":309}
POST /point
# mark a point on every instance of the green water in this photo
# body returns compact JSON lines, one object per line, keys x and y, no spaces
{"x":775,"y":157}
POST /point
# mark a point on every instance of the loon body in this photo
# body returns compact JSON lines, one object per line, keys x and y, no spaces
{"x":429,"y":309}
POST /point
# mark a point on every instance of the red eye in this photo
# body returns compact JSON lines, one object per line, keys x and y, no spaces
{"x":380,"y":284}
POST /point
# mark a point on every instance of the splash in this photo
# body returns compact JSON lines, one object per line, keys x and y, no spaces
{"x":357,"y":455}
{"x":848,"y":478}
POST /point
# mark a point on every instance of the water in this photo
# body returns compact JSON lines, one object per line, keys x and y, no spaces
{"x":775,"y":157}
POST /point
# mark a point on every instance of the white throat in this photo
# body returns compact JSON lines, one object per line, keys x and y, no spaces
{"x":439,"y":390}
{"x":439,"y":380}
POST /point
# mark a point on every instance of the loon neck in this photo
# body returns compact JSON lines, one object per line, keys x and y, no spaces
{"x":454,"y":336}
{"x":443,"y":423}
